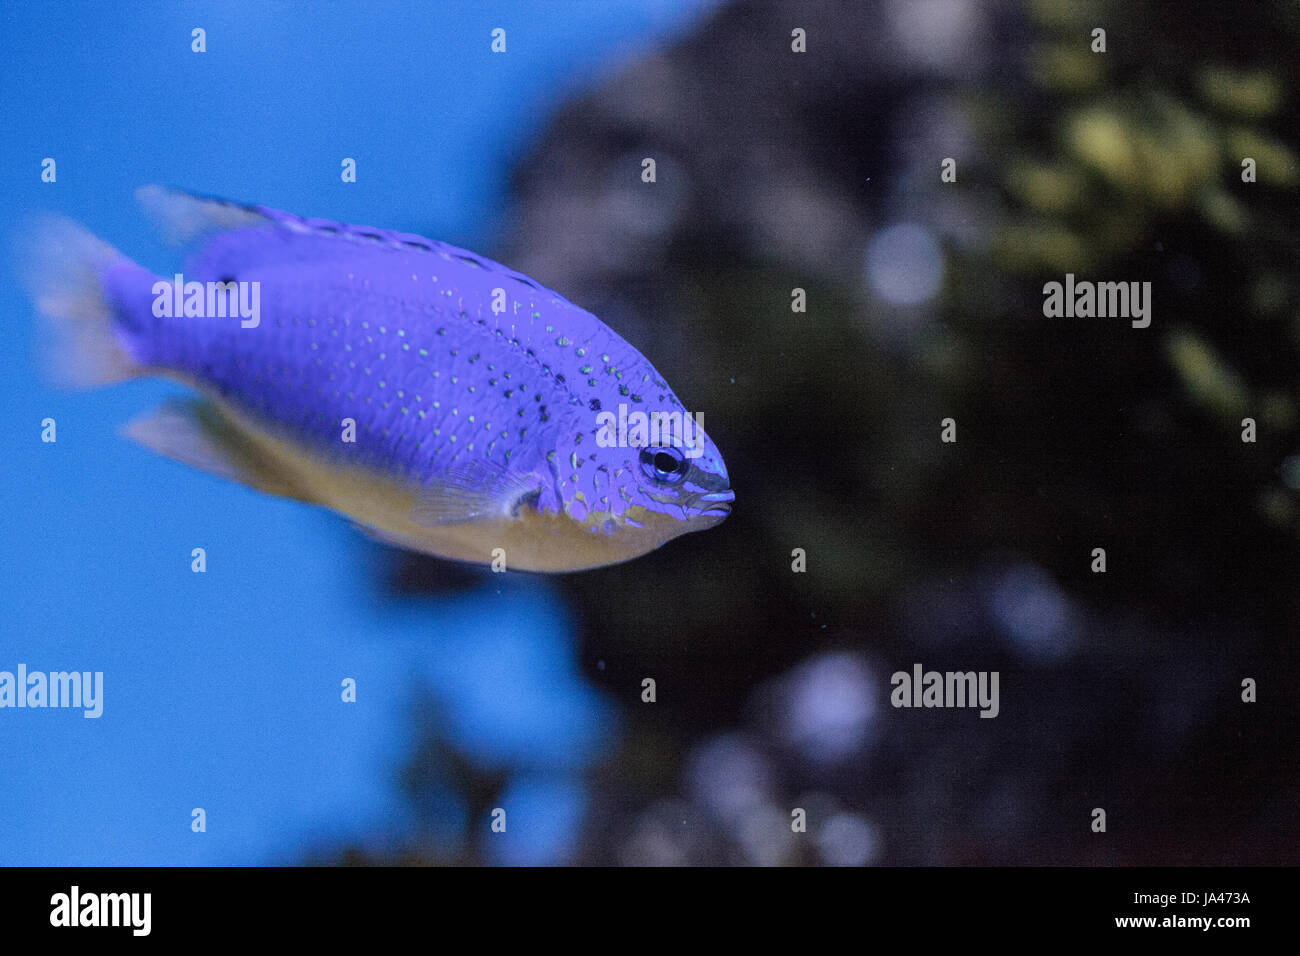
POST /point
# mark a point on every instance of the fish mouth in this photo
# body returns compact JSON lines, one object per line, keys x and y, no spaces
{"x":715,"y":504}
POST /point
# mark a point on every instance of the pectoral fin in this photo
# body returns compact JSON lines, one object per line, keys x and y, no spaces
{"x":474,"y":491}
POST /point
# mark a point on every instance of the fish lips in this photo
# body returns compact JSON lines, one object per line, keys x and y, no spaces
{"x":715,"y":504}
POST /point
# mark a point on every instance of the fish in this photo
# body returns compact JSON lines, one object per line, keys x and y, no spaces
{"x":441,"y":401}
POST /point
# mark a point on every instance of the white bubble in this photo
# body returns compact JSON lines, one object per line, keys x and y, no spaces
{"x":904,"y":264}
{"x":829,"y":706}
{"x":729,"y":776}
{"x":1032,"y":610}
{"x":640,"y":209}
{"x":765,"y":835}
{"x":663,"y":835}
{"x":1291,"y":472}
{"x":848,"y":839}
{"x":939,"y":34}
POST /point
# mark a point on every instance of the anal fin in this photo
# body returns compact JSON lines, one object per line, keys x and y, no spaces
{"x":197,"y":433}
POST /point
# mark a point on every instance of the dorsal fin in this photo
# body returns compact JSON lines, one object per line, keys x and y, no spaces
{"x":185,"y":217}
{"x":190,"y":219}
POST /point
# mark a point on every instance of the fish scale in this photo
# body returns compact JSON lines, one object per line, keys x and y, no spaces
{"x":355,"y":329}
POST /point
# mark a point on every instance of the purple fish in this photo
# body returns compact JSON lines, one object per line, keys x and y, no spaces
{"x":445,"y":403}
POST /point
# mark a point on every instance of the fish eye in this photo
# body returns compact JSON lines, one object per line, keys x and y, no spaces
{"x":665,"y":465}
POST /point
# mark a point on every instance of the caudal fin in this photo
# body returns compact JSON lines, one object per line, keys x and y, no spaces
{"x":62,"y":265}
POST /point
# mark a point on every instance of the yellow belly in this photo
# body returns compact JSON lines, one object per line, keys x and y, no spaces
{"x":532,"y":541}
